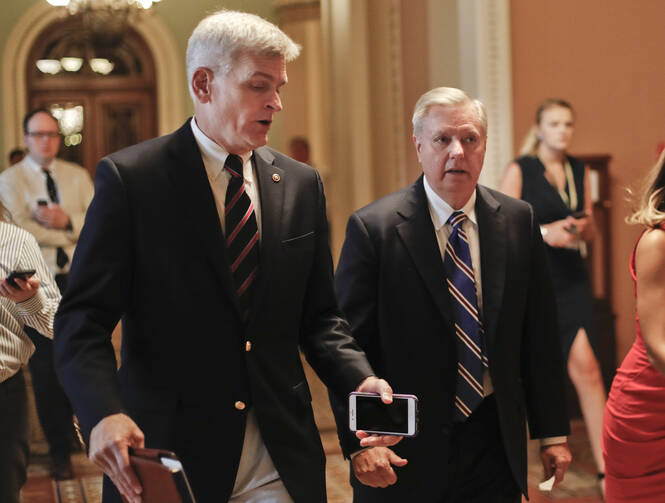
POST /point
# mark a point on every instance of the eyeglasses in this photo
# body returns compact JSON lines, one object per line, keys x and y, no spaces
{"x":40,"y":135}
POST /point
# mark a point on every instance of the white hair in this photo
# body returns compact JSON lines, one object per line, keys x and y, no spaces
{"x":221,"y":36}
{"x":447,"y":97}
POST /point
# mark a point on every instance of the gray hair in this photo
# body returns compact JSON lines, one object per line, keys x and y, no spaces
{"x":447,"y":97}
{"x":221,"y":36}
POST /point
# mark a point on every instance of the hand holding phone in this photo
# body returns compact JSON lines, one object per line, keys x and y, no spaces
{"x":23,"y":275}
{"x":368,"y":413}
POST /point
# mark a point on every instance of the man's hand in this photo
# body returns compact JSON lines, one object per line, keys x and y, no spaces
{"x":373,"y":467}
{"x":109,"y":443}
{"x":26,"y":289}
{"x":373,"y":384}
{"x":52,"y":216}
{"x":556,"y":458}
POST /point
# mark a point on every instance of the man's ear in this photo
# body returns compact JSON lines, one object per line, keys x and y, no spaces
{"x":202,"y":84}
{"x":417,"y":144}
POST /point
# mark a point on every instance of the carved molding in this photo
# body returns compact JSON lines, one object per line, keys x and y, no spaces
{"x":397,"y":84}
{"x":486,"y":74}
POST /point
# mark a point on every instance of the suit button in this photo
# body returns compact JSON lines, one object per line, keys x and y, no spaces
{"x":248,"y":346}
{"x":240,"y":405}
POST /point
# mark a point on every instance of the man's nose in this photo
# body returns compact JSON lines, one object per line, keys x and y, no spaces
{"x":456,"y":149}
{"x":275,"y":103}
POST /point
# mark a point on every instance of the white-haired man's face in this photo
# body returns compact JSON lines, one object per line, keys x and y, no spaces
{"x":236,"y":109}
{"x":451,"y":149}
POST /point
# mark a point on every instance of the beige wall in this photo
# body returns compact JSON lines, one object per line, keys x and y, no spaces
{"x":604,"y":56}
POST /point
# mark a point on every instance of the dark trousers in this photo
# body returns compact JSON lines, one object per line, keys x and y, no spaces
{"x":53,"y":407}
{"x":478,"y":470}
{"x":13,"y":437}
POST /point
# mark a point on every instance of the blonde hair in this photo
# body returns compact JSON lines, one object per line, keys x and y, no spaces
{"x":531,"y":141}
{"x":650,"y":202}
{"x":446,"y":96}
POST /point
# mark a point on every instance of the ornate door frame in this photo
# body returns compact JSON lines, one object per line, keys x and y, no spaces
{"x":168,"y":64}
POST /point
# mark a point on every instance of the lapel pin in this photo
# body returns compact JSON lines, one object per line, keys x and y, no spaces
{"x":276,"y":178}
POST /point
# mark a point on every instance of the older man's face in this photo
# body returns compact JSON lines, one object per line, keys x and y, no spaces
{"x":451,"y":149}
{"x":244,"y":102}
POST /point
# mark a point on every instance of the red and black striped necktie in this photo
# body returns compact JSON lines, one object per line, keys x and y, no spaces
{"x":242,"y":234}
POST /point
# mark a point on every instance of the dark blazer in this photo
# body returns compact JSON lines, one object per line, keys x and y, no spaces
{"x":152,"y":253}
{"x":391,"y":285}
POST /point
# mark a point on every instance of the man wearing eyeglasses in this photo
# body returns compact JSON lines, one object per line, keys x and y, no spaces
{"x":48,"y":197}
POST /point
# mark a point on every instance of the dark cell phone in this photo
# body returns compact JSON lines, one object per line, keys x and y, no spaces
{"x":24,"y":275}
{"x":579,"y":214}
{"x":42,"y":202}
{"x":368,"y":413}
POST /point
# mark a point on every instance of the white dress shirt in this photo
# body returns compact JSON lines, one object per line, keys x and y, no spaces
{"x":256,"y":470}
{"x":19,"y":251}
{"x":440,"y":211}
{"x":23,"y":184}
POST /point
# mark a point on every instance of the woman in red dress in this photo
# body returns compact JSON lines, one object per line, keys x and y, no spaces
{"x":634,"y":420}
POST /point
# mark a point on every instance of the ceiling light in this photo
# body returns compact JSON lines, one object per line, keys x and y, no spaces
{"x":102,"y":65}
{"x":50,"y":66}
{"x":71,"y":64}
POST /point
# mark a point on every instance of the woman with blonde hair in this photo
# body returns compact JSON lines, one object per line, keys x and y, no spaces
{"x":634,"y":421}
{"x":32,"y":302}
{"x":557,"y":186}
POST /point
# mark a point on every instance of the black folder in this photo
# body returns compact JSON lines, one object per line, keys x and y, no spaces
{"x":162,"y":476}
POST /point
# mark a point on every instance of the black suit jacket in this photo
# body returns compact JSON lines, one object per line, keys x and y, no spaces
{"x":391,"y":285}
{"x":152,"y":253}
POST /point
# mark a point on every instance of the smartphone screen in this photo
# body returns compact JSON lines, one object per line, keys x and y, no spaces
{"x":368,"y":413}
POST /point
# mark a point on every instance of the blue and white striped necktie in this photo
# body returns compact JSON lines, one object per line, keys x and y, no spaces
{"x":471,"y":355}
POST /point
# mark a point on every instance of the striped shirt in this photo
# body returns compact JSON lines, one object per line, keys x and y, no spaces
{"x":19,"y":251}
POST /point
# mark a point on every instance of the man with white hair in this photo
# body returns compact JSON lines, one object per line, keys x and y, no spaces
{"x":446,"y":287}
{"x":213,"y":249}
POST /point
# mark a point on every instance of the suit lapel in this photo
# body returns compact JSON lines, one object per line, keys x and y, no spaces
{"x":271,"y":195}
{"x":492,"y":235}
{"x":418,"y":235}
{"x":188,"y":175}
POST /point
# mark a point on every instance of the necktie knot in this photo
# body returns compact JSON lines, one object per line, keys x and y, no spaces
{"x":456,"y":219}
{"x":233,"y":165}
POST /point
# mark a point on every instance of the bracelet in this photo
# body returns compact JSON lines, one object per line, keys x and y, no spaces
{"x":543,"y":230}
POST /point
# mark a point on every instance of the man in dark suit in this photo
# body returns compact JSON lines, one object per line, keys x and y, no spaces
{"x":460,"y":312}
{"x":213,"y":249}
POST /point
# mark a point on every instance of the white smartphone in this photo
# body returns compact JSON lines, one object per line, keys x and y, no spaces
{"x":368,"y":413}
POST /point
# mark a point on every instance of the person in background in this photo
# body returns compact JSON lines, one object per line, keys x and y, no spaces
{"x":299,"y":149}
{"x":31,"y":302}
{"x":557,"y":186}
{"x":634,"y":420}
{"x":49,"y":197}
{"x":16,"y":155}
{"x":446,"y":287}
{"x":213,"y":249}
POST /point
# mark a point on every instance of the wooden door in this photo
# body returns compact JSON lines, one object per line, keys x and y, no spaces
{"x":111,"y":120}
{"x":114,"y":109}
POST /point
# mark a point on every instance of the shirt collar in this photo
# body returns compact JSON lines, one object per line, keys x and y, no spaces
{"x":214,"y":155}
{"x":441,"y":210}
{"x":34,"y":166}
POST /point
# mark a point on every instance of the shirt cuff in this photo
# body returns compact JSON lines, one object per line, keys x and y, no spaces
{"x":355,"y":453}
{"x":31,"y":306}
{"x":547,"y":441}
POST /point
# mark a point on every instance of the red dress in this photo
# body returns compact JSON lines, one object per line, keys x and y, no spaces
{"x":634,"y":427}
